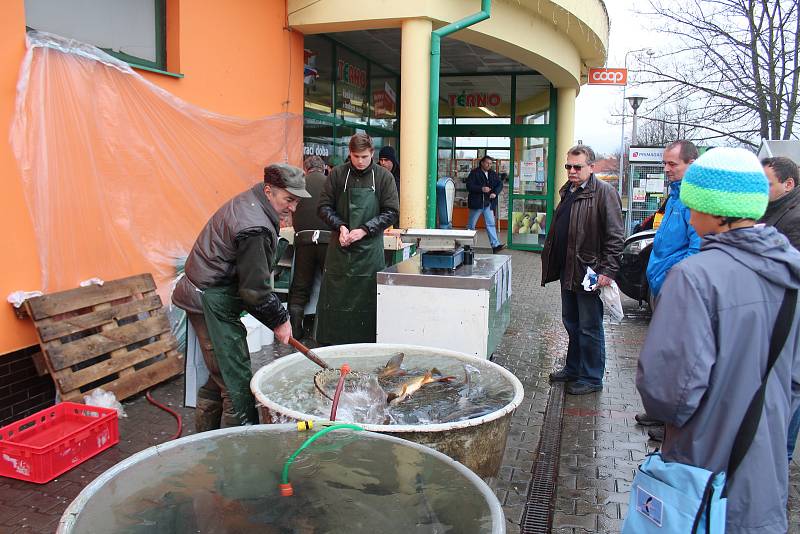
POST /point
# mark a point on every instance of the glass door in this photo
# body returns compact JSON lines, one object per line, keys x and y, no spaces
{"x":510,"y":118}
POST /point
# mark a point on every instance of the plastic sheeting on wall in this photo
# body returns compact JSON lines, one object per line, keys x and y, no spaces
{"x":120,"y":175}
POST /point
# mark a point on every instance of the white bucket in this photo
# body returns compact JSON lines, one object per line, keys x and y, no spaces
{"x":258,"y":335}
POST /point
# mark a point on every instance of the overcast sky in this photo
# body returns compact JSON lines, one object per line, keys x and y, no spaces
{"x":596,"y":102}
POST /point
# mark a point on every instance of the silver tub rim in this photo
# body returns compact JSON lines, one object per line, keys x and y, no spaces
{"x":360,"y":348}
{"x":68,"y":519}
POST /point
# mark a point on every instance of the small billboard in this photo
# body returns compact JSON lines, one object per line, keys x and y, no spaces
{"x":608,"y":76}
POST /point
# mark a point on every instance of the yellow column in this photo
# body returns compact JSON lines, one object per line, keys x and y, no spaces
{"x":565,"y":134}
{"x":414,"y":96}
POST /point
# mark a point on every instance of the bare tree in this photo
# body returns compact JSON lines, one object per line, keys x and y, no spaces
{"x":665,"y":124}
{"x":732,"y":65}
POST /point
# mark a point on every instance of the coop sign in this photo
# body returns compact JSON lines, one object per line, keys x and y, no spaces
{"x":347,"y":72}
{"x":474,"y":100}
{"x":608,"y":76}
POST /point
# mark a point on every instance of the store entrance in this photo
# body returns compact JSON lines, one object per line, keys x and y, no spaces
{"x":508,"y":118}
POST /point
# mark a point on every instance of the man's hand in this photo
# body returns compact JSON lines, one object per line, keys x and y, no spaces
{"x":344,"y":236}
{"x":492,"y":195}
{"x":355,"y":235}
{"x":603,"y":280}
{"x":486,"y":189}
{"x":282,"y":332}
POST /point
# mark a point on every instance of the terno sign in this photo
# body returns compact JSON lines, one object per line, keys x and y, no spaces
{"x":474,"y":100}
{"x":608,"y":76}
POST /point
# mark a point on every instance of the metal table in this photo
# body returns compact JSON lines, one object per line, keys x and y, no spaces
{"x":466,"y":310}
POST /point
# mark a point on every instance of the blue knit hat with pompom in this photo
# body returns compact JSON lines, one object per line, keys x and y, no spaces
{"x":729,"y":182}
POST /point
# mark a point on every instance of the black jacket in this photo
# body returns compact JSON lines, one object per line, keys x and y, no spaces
{"x":476,"y":181}
{"x":385,"y":189}
{"x":596,"y":236}
{"x":784,"y":214}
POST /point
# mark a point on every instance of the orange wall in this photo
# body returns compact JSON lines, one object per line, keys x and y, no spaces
{"x":235,"y":58}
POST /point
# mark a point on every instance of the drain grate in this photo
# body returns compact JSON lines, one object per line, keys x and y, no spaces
{"x":537,"y":518}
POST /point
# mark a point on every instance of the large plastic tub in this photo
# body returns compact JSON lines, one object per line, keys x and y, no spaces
{"x":227,"y":481}
{"x":52,"y":441}
{"x":478,"y":443}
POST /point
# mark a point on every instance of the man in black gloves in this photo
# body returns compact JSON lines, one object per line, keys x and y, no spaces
{"x":228,"y":272}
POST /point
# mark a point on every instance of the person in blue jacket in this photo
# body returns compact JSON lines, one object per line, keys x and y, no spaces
{"x":675,"y":239}
{"x":484,"y":186}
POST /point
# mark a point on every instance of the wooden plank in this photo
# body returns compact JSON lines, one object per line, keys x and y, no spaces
{"x":40,"y":363}
{"x":141,"y":380}
{"x":62,"y":356}
{"x":50,"y":329}
{"x":68,"y":380}
{"x":84,"y":297}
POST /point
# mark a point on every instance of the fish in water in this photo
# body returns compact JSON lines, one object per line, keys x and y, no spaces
{"x":393,"y":367}
{"x":408,"y":388}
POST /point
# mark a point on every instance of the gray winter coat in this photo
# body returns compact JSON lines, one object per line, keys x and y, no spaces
{"x":703,"y":359}
{"x":236,"y":247}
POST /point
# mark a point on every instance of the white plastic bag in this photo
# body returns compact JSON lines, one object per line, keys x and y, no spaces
{"x":612,"y":304}
{"x":590,"y":280}
{"x":104,"y":399}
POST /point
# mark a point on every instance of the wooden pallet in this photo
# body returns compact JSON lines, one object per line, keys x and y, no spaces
{"x":116,"y":336}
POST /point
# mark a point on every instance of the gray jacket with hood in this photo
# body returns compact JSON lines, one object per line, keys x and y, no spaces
{"x":703,"y":359}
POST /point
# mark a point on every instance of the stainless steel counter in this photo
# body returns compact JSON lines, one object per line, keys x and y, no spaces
{"x":479,"y":275}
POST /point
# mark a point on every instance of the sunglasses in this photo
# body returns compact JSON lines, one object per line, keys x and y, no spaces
{"x":576,"y":167}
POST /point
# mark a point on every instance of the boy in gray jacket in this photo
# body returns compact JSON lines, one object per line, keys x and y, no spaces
{"x":707,"y":346}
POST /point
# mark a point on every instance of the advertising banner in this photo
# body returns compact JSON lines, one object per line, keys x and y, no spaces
{"x":608,"y":76}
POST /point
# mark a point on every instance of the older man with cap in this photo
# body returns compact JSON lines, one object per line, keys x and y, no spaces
{"x":227,"y":272}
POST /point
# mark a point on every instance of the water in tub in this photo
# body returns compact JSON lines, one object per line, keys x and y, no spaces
{"x":344,"y":482}
{"x":374,"y":396}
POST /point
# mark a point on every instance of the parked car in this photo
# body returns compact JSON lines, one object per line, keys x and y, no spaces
{"x":632,"y":275}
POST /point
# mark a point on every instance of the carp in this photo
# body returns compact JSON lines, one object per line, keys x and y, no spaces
{"x":408,"y":388}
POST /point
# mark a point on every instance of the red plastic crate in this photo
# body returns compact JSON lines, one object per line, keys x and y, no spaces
{"x":50,"y":442}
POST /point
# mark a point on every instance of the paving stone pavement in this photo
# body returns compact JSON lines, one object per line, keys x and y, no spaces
{"x":600,"y":449}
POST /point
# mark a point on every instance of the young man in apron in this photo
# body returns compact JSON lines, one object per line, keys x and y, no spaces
{"x":359,"y":201}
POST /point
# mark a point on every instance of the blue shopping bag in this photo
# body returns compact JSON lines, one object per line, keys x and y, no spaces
{"x":675,"y":498}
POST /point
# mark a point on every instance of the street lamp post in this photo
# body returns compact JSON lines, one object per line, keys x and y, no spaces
{"x":635,"y":101}
{"x":649,"y":52}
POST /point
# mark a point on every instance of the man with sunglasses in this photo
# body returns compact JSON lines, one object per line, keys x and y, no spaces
{"x":587,"y":231}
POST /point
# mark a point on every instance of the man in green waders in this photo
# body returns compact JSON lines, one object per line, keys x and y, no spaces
{"x":227,"y":272}
{"x":359,"y":201}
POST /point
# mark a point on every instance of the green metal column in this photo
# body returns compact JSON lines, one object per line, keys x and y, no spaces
{"x":433,"y":124}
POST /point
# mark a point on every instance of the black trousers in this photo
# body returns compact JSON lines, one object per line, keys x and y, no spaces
{"x":308,"y":261}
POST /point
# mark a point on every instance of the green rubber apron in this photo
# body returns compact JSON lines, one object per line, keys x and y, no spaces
{"x":222,"y":307}
{"x":348,"y":296}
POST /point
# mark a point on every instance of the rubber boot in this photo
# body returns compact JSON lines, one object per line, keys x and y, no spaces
{"x":229,"y":418}
{"x":208,"y":412}
{"x":296,"y":315}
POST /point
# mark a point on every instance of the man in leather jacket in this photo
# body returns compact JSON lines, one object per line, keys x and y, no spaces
{"x":227,"y":272}
{"x":586,"y":231}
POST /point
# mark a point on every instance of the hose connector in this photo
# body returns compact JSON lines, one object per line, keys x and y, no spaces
{"x":302,"y":426}
{"x":286,"y":490}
